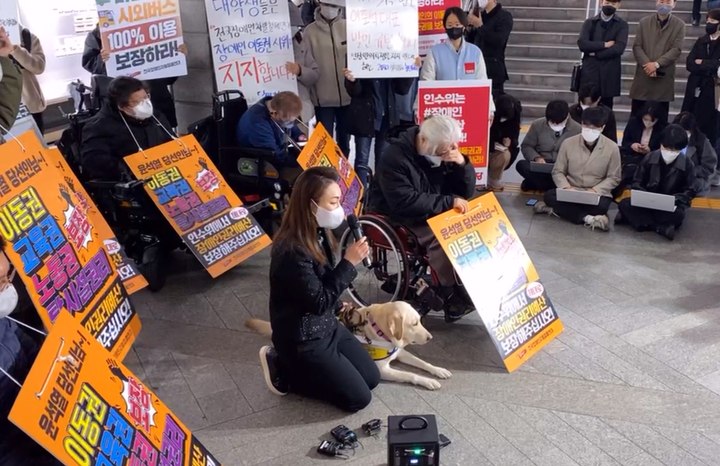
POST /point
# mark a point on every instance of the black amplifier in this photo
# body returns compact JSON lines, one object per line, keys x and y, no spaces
{"x":413,"y":441}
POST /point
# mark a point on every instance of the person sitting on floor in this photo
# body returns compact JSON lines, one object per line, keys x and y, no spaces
{"x":642,"y":135}
{"x":666,"y":171}
{"x":699,"y":150}
{"x":587,"y":162}
{"x":542,"y":143}
{"x":588,"y":97}
{"x":422,"y":174}
{"x":504,"y":138}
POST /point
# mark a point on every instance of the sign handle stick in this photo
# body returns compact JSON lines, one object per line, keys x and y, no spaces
{"x":13,"y":136}
{"x":27,"y":326}
{"x":58,"y":359}
{"x":10,"y":377}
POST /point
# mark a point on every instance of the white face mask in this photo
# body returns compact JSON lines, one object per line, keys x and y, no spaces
{"x":434,"y":160}
{"x":329,"y":218}
{"x":584,"y":107}
{"x":143,"y":110}
{"x":649,"y":125}
{"x":590,"y":135}
{"x":329,"y":12}
{"x":8,"y":301}
{"x":669,"y":156}
{"x":689,"y":135}
{"x":559,"y":128}
{"x":482,"y":4}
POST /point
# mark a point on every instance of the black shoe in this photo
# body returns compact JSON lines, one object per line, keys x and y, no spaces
{"x":619,"y":219}
{"x":268,"y":361}
{"x":696,"y":23}
{"x":525,"y":186}
{"x":458,"y":305}
{"x":666,"y":231}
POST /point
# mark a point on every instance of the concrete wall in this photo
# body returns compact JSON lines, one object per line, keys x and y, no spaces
{"x":193,"y":92}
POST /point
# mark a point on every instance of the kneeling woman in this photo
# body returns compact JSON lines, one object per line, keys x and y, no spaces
{"x":666,"y":171}
{"x":313,"y":355}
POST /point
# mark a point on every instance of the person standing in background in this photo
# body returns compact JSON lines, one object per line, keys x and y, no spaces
{"x":327,"y":37}
{"x":10,"y":85}
{"x":29,"y":56}
{"x":696,"y":12}
{"x":658,"y":45}
{"x":490,"y":30}
{"x":307,"y":10}
{"x":588,"y":97}
{"x":305,"y":67}
{"x":602,"y":41}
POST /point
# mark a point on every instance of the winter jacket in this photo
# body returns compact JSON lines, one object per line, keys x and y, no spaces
{"x":11,"y":86}
{"x":256,"y":129}
{"x":600,"y":65}
{"x":32,"y":63}
{"x":678,"y":180}
{"x":304,"y":293}
{"x":328,"y":44}
{"x":541,"y":141}
{"x":610,"y":130}
{"x":703,"y":155}
{"x":700,"y":98}
{"x":579,"y":167}
{"x":661,"y":44}
{"x":309,"y":74}
{"x":366,"y":112}
{"x":409,"y":190}
{"x":510,"y":129}
{"x":492,"y":39}
{"x":633,"y":134}
{"x":106,"y":141}
{"x":160,"y":95}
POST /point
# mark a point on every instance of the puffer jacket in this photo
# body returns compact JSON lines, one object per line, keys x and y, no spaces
{"x":328,"y":43}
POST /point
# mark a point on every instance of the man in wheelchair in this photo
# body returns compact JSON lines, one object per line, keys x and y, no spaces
{"x":125,"y":125}
{"x":421,"y":174}
{"x":270,"y":125}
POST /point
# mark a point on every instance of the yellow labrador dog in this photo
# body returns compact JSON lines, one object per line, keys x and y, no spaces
{"x":385,"y":330}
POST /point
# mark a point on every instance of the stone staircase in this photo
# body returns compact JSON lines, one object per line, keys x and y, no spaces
{"x":543,"y":49}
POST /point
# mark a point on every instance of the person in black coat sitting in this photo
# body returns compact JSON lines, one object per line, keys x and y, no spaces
{"x":642,"y":135}
{"x":373,"y":111}
{"x":126,"y":124}
{"x":699,"y":150}
{"x":504,"y":139}
{"x":313,"y":355}
{"x":666,"y":171}
{"x":422,"y":174}
{"x":589,"y":96}
{"x":490,"y":31}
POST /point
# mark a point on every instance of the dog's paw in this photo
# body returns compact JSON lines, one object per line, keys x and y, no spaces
{"x":430,"y":384}
{"x":441,"y":373}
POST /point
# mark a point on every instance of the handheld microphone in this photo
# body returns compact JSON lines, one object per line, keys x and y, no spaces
{"x":357,"y":233}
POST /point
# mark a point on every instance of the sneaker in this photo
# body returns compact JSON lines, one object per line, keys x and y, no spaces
{"x":496,"y":185}
{"x":715,"y":178}
{"x":541,"y":208}
{"x":598,"y":221}
{"x":268,"y":361}
{"x":696,"y":23}
{"x":666,"y":231}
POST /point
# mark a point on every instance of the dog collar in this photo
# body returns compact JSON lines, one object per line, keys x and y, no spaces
{"x":376,"y":327}
{"x":378,"y":350}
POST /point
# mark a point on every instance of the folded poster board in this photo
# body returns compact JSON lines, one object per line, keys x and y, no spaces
{"x":197,"y":201}
{"x":500,"y":278}
{"x":86,"y":408}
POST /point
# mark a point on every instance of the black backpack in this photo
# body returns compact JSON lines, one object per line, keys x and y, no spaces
{"x":26,"y":42}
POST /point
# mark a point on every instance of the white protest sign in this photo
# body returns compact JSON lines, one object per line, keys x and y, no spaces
{"x":143,"y":38}
{"x":382,"y":38}
{"x":9,"y":19}
{"x":251,"y":43}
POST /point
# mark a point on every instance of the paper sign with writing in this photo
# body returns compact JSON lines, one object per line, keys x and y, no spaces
{"x":251,"y":43}
{"x":9,"y":19}
{"x":194,"y":197}
{"x":430,"y":22}
{"x":382,"y":38}
{"x":469,"y":103}
{"x":143,"y":38}
{"x":500,"y":278}
{"x":321,"y":150}
{"x":58,"y":248}
{"x":86,"y":408}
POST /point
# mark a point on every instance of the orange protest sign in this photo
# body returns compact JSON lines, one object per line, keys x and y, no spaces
{"x":500,"y":278}
{"x":57,"y":244}
{"x":321,"y":150}
{"x":86,"y":408}
{"x":194,"y":197}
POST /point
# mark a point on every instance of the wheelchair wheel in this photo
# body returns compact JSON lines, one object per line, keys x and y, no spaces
{"x":153,"y":268}
{"x":386,"y":279}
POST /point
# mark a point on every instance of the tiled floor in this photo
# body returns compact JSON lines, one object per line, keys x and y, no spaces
{"x":633,"y":381}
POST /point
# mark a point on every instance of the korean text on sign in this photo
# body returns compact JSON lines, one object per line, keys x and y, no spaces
{"x":382,"y":38}
{"x":190,"y":192}
{"x":86,"y":408}
{"x":469,"y":103}
{"x":55,"y":239}
{"x":143,"y":38}
{"x":500,"y":278}
{"x":251,"y":41}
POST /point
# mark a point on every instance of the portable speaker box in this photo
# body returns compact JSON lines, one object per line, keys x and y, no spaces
{"x":413,"y":441}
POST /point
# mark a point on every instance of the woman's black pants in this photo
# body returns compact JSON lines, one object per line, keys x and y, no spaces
{"x":336,"y":369}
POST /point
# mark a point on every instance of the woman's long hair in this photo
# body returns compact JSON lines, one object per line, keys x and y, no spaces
{"x":299,"y":225}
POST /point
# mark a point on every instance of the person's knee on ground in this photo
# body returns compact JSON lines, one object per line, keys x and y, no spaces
{"x":496,"y":167}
